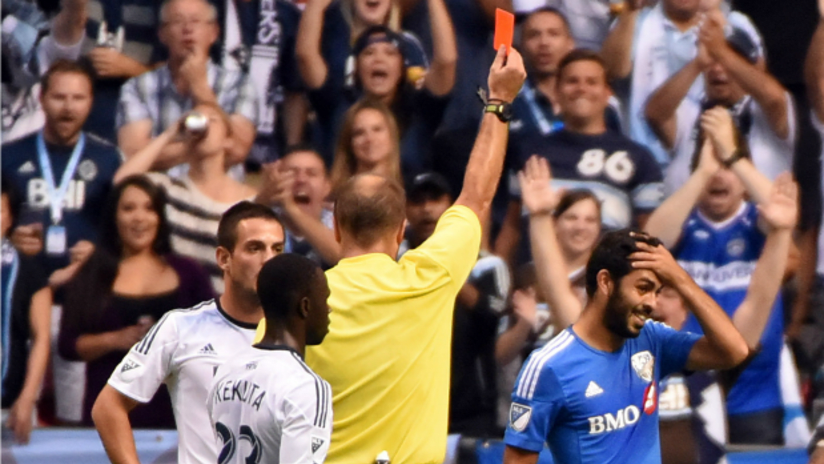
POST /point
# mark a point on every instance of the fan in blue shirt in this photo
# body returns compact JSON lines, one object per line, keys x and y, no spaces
{"x":592,"y":393}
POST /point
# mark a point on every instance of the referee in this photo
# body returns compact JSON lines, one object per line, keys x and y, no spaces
{"x":387,"y":353}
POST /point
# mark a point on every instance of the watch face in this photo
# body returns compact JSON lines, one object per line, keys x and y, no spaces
{"x":506,"y":111}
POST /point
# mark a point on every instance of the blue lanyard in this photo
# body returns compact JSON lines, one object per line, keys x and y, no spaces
{"x":57,"y":193}
{"x":543,"y":123}
{"x":7,"y":300}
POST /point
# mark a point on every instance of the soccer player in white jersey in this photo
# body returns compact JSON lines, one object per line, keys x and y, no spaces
{"x":268,"y":406}
{"x":185,"y":347}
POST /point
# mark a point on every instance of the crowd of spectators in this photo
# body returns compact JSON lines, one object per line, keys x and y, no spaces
{"x":664,"y":115}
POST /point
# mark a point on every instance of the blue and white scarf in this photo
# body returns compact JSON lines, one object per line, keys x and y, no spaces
{"x":9,"y":266}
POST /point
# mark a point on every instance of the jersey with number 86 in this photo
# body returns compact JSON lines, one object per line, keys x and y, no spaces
{"x":270,"y":408}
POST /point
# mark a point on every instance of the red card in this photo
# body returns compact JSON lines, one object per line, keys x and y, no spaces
{"x":504,"y":29}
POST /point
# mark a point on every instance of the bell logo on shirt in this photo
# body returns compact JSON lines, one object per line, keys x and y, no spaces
{"x":609,"y":423}
{"x":37,"y":195}
{"x":519,"y":416}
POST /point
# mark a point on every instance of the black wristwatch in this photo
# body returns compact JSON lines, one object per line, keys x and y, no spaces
{"x":501,"y":109}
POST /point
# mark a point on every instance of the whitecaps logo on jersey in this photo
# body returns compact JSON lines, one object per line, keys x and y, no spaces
{"x":131,"y":370}
{"x":735,"y":248}
{"x":519,"y":416}
{"x":643,"y":364}
{"x":87,"y":170}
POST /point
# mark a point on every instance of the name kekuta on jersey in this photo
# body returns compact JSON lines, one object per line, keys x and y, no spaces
{"x":242,"y":391}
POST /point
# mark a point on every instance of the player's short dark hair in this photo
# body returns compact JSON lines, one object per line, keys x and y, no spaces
{"x":227,"y":228}
{"x":14,"y":198}
{"x":283,"y":282}
{"x":571,"y":197}
{"x":581,"y":54}
{"x":369,"y":213}
{"x":612,"y":253}
{"x":550,"y":10}
{"x":63,"y":66}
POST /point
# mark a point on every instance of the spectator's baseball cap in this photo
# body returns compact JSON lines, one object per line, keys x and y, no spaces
{"x":427,"y":186}
{"x":415,"y":61}
{"x":742,"y":43}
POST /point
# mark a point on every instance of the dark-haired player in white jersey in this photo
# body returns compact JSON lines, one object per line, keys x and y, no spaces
{"x":185,"y":347}
{"x":267,"y":405}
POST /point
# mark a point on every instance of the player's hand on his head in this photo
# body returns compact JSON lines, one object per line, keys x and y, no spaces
{"x":507,"y":75}
{"x":536,"y":189}
{"x":717,"y":123}
{"x":660,"y":261}
{"x":780,"y":209}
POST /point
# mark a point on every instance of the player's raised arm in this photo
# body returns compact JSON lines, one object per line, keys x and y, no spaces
{"x":722,"y":346}
{"x":483,"y":171}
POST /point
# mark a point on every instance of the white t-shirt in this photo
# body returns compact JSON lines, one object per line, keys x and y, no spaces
{"x":183,"y":350}
{"x":271,"y":407}
{"x":771,"y":154}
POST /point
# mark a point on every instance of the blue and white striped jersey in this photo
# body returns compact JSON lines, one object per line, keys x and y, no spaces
{"x":591,"y":406}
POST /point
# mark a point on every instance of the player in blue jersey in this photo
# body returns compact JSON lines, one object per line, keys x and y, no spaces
{"x":717,"y":237}
{"x":591,"y":393}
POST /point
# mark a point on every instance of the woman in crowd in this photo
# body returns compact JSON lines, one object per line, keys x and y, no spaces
{"x":379,"y":62}
{"x":368,"y":142}
{"x":566,"y":228}
{"x":126,"y":286}
{"x":26,"y":321}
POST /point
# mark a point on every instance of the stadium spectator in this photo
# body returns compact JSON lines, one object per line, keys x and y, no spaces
{"x":648,"y":45}
{"x":480,"y":303}
{"x":693,"y":423}
{"x":714,"y":233}
{"x":155,"y":101}
{"x":259,"y":38}
{"x":289,"y":416}
{"x":298,"y":185}
{"x":589,"y":20}
{"x":807,"y":326}
{"x":30,"y":44}
{"x":613,"y":341}
{"x":391,"y":376}
{"x":382,"y":72}
{"x":585,"y":154}
{"x":26,"y":305}
{"x":131,"y":280}
{"x":197,"y":200}
{"x":64,"y":173}
{"x":368,"y":142}
{"x":186,"y":346}
{"x":473,"y":22}
{"x":121,"y":43}
{"x":762,"y":109}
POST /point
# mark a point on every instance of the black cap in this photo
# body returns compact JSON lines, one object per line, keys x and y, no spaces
{"x":427,"y":186}
{"x":376,"y":34}
{"x":742,"y":43}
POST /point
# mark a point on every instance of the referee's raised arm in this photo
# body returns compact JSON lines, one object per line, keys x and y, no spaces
{"x":483,"y":171}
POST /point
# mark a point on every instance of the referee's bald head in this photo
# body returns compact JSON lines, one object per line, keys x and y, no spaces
{"x":369,"y":208}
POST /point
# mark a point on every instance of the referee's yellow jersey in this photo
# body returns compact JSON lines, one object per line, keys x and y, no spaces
{"x":387,"y":353}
